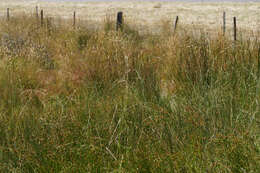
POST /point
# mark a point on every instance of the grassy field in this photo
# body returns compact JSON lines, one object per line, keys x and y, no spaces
{"x":78,"y":100}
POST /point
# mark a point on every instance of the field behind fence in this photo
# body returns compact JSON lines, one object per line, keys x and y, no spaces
{"x":148,"y":16}
{"x":75,"y":21}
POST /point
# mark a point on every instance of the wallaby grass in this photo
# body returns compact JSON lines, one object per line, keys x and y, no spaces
{"x":79,"y":100}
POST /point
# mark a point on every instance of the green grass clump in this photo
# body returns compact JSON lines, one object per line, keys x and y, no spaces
{"x":79,"y":100}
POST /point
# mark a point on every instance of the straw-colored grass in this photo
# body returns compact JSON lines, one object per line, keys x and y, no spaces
{"x":146,"y":14}
{"x":79,"y":100}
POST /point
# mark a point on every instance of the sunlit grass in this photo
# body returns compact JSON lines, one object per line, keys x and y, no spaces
{"x":80,"y":100}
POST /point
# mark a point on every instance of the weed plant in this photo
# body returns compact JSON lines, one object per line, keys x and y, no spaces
{"x":81,"y":100}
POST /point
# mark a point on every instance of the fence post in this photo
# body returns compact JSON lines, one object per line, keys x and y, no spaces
{"x":36,"y":11}
{"x":74,"y":19}
{"x":41,"y":17}
{"x":235,"y":28}
{"x":224,"y":23}
{"x":176,"y":23}
{"x":7,"y":14}
{"x":119,"y":21}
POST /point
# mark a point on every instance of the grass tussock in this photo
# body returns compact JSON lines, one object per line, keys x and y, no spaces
{"x":79,"y":100}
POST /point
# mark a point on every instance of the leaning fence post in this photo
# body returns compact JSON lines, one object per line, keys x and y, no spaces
{"x":7,"y":14}
{"x":74,"y":19}
{"x":41,"y":17}
{"x":119,"y":21}
{"x":224,"y":23}
{"x":235,"y":28}
{"x":176,"y":23}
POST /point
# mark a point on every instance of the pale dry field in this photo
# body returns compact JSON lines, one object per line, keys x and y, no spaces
{"x":147,"y":15}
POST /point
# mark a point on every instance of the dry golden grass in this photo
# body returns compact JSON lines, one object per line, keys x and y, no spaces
{"x":148,"y":15}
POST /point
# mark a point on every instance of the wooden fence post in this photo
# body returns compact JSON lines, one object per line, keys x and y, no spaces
{"x":235,"y":28}
{"x":7,"y":14}
{"x":37,"y":13}
{"x":224,"y":23}
{"x":119,"y":21}
{"x":41,"y":17}
{"x":176,"y":23}
{"x":74,"y":19}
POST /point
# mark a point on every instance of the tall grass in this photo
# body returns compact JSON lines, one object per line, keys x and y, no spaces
{"x":104,"y":101}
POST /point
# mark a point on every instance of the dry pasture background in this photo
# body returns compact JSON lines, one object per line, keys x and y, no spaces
{"x":146,"y":14}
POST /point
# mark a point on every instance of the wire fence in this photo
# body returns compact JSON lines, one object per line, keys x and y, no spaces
{"x":119,"y":23}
